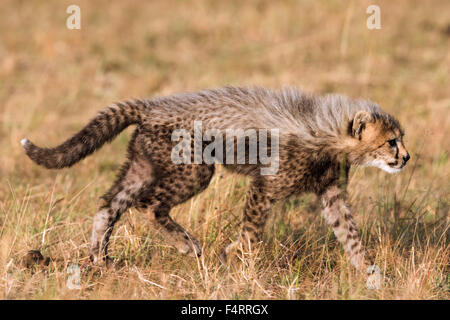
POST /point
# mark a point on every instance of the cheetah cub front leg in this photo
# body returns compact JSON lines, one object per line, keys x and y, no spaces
{"x":337,"y":214}
{"x":257,"y":207}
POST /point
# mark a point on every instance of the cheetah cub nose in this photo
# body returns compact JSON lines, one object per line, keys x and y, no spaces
{"x":406,"y":158}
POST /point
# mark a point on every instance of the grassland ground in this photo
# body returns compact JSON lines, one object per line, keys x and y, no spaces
{"x":53,"y":80}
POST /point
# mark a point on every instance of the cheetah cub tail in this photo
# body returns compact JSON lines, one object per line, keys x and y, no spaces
{"x":103,"y":128}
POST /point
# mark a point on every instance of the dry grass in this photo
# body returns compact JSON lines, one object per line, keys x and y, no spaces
{"x":52,"y":80}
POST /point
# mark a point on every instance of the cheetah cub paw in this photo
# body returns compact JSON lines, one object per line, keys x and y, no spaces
{"x":374,"y":279}
{"x":189,"y":246}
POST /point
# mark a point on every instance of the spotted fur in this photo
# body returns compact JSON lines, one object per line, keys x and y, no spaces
{"x":320,"y":139}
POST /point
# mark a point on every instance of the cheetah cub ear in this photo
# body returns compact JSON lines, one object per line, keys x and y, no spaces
{"x":359,"y":123}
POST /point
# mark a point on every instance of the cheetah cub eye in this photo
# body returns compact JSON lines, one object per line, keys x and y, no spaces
{"x":392,"y":143}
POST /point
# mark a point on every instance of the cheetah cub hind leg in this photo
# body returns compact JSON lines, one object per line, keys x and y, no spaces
{"x":174,"y":188}
{"x":176,"y":236}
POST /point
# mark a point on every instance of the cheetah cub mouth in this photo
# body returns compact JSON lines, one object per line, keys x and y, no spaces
{"x":387,"y":167}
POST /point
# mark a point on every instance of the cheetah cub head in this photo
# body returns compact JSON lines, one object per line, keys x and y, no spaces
{"x":377,"y":140}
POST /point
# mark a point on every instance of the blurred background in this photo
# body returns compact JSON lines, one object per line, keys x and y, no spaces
{"x":53,"y":80}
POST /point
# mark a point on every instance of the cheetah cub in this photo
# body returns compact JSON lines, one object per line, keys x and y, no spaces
{"x":318,"y":139}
